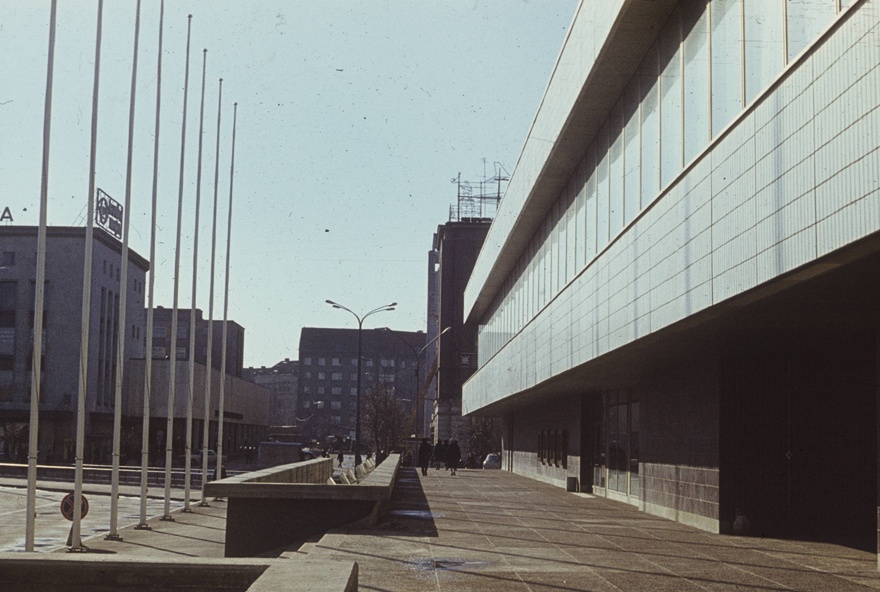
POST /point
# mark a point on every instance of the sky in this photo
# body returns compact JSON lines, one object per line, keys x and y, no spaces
{"x":353,"y":118}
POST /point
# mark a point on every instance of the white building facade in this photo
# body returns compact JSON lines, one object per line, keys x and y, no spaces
{"x":694,"y":220}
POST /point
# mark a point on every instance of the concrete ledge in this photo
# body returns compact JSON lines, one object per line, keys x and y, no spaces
{"x":266,"y":511}
{"x":62,"y":573}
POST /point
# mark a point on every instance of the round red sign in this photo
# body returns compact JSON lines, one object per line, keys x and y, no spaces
{"x":67,"y":506}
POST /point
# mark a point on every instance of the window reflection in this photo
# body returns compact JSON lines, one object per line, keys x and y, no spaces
{"x":727,"y":102}
{"x":765,"y":55}
{"x":806,"y":19}
{"x":695,"y":29}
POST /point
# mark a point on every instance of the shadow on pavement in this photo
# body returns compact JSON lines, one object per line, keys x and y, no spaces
{"x":409,"y":513}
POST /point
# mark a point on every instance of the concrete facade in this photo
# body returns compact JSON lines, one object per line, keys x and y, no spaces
{"x":62,"y":320}
{"x":282,"y":380}
{"x":682,"y":319}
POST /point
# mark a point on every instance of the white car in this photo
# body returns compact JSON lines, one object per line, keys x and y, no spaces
{"x":493,"y":461}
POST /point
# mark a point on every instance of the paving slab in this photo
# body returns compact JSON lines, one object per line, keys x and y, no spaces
{"x":492,"y":530}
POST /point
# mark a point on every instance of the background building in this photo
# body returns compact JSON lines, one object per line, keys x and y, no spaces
{"x":328,"y":377}
{"x":162,"y":318}
{"x":677,"y":298}
{"x":456,"y":246}
{"x":282,"y":380}
{"x":62,"y":332}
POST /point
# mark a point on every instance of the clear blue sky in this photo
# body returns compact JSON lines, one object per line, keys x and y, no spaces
{"x":353,"y":118}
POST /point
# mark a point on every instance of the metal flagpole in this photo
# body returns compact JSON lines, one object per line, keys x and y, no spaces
{"x":148,"y":357}
{"x":172,"y":339}
{"x":226,"y":303}
{"x":123,"y":296}
{"x":209,"y":363}
{"x":33,"y":440}
{"x":192,"y":314}
{"x":76,"y":527}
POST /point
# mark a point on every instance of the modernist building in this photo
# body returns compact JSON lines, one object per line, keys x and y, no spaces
{"x":328,"y":377}
{"x":677,"y":300}
{"x":62,"y":332}
{"x":282,"y":380}
{"x":456,"y":245}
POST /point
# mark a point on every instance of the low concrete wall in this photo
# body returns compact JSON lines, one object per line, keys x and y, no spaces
{"x":267,"y":511}
{"x":63,"y":573}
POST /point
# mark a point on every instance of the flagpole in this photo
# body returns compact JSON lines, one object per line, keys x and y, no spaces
{"x":123,"y":297}
{"x":192,"y":314}
{"x":148,"y":357}
{"x":33,"y":436}
{"x":206,"y":427}
{"x":226,"y":302}
{"x":172,"y":339}
{"x":76,"y":527}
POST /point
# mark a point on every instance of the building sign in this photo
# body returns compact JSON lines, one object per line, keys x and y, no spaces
{"x":108,"y":214}
{"x":467,"y":360}
{"x":6,"y":216}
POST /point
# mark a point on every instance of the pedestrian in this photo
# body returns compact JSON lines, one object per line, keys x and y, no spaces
{"x":339,"y":458}
{"x":453,"y":456}
{"x":437,"y":456}
{"x":444,"y":457}
{"x":424,"y":456}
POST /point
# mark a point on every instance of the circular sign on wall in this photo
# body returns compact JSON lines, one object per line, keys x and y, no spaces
{"x":67,"y":506}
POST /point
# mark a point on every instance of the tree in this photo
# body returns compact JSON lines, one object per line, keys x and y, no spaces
{"x":384,"y":417}
{"x":484,"y":436}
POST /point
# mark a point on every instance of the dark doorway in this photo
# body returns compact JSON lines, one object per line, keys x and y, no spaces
{"x":798,"y":436}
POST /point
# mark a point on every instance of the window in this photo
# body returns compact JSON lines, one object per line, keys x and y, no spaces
{"x":306,"y":404}
{"x":307,"y":361}
{"x":806,"y":19}
{"x":320,"y":390}
{"x":765,"y":54}
{"x":353,"y":392}
{"x":335,"y":404}
{"x":319,"y":404}
{"x":322,"y":361}
{"x":321,"y":376}
{"x":727,"y":91}
{"x":335,"y":362}
{"x":335,"y":420}
{"x":671,"y":140}
{"x":336,"y":390}
{"x":307,"y":375}
{"x":336,"y":376}
{"x":160,"y":332}
{"x":354,"y":361}
{"x":695,"y":25}
{"x":369,"y":363}
{"x":353,"y":376}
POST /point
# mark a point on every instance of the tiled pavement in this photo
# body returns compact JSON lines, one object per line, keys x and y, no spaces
{"x":492,"y":530}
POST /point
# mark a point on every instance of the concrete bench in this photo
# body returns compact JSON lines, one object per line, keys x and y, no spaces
{"x":62,"y":573}
{"x":270,"y":509}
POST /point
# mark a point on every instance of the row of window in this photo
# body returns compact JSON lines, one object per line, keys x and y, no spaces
{"x":384,"y":362}
{"x":711,"y":60}
{"x":322,"y":404}
{"x":553,"y":448}
{"x":351,"y":376}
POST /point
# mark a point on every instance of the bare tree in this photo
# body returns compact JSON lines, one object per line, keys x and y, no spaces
{"x":484,"y":436}
{"x":384,"y":417}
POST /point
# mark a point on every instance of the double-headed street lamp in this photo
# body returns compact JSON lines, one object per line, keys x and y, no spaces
{"x":357,"y":420}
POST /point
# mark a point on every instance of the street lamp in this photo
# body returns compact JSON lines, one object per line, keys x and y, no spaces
{"x":357,"y":420}
{"x":418,"y":355}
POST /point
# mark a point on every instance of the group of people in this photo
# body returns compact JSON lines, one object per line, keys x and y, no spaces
{"x":445,"y":452}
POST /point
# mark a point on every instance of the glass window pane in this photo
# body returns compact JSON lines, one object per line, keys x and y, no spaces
{"x":695,"y":30}
{"x":632,"y":152}
{"x":726,"y":62}
{"x":580,"y":216}
{"x":650,"y":133}
{"x":613,"y":447}
{"x":765,"y":55}
{"x":571,"y":237}
{"x":670,"y":101}
{"x":602,"y":188}
{"x":806,"y":19}
{"x":590,"y":218}
{"x":615,"y":171}
{"x":554,"y":253}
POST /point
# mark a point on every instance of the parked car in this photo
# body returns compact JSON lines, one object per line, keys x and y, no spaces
{"x":493,"y":461}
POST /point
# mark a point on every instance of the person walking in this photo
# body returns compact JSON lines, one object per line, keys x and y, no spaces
{"x":439,"y":454}
{"x":453,"y":456}
{"x":424,"y":456}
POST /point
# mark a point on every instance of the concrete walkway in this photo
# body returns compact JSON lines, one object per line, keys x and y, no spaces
{"x":492,"y":530}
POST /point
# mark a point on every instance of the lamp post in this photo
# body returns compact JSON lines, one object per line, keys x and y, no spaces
{"x":418,"y":355}
{"x":360,"y":320}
